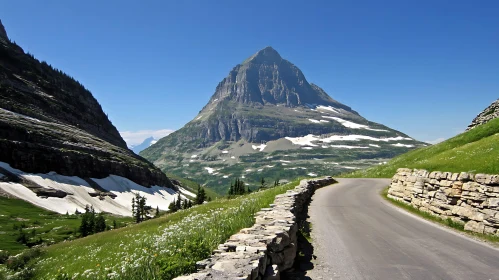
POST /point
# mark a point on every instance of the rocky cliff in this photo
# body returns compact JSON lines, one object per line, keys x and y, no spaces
{"x":486,"y":115}
{"x":267,"y":105}
{"x":50,"y":122}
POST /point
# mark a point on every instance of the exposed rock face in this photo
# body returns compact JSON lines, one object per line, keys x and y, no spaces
{"x":266,"y":98}
{"x":50,"y":122}
{"x":486,"y":115}
{"x":3,"y":33}
{"x":471,"y":199}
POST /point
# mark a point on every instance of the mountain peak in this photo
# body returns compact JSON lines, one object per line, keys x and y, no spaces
{"x":267,"y":54}
{"x":3,"y":33}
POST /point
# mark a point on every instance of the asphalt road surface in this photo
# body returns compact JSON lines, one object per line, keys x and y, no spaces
{"x":358,"y":235}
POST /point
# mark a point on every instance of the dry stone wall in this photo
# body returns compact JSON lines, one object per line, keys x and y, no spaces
{"x":268,"y":247}
{"x":472,"y":199}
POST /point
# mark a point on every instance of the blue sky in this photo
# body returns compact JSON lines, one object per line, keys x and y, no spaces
{"x":423,"y":67}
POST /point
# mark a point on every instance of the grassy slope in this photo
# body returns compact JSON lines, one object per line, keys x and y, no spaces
{"x":191,"y":185}
{"x":169,"y":245}
{"x":50,"y":226}
{"x":474,"y":151}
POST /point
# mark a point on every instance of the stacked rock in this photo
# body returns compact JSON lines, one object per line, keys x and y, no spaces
{"x":471,"y":199}
{"x":267,"y":248}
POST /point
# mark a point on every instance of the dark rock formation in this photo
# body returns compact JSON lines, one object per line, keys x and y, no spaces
{"x":50,"y":122}
{"x":3,"y":33}
{"x":486,"y":115}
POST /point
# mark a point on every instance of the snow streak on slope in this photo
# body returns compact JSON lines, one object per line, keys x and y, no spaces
{"x":350,"y":124}
{"x":307,"y":140}
{"x":78,"y":193}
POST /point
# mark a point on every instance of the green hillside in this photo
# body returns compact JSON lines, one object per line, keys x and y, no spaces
{"x":475,"y":151}
{"x":191,"y":185}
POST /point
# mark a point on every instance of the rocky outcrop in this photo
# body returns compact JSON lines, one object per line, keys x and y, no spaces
{"x":3,"y":33}
{"x":471,"y":199}
{"x":269,"y":247}
{"x":486,"y":115}
{"x":50,"y":122}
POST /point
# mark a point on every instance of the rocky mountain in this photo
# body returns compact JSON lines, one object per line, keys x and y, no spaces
{"x":144,"y":145}
{"x":266,"y":120}
{"x":486,"y":115}
{"x":49,"y":122}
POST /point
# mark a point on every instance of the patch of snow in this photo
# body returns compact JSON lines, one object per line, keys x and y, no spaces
{"x":243,"y":177}
{"x":327,"y":108}
{"x":312,"y":174}
{"x":284,"y":164}
{"x":269,"y":166}
{"x":307,"y":148}
{"x":348,"y":147}
{"x":186,"y":192}
{"x":323,"y":146}
{"x":78,"y":190}
{"x":314,"y":121}
{"x":260,"y":170}
{"x":191,"y":160}
{"x":376,"y":129}
{"x":374,"y":145}
{"x":216,"y":99}
{"x":303,"y":141}
{"x":185,"y":165}
{"x":303,"y":168}
{"x":199,"y":117}
{"x":286,"y":161}
{"x":194,"y":156}
{"x":248,"y":170}
{"x":153,"y":142}
{"x":232,"y":157}
{"x":324,"y":121}
{"x":350,"y":124}
{"x":402,"y":145}
{"x":259,"y":147}
{"x":225,"y":176}
{"x":350,"y":167}
{"x":225,"y":152}
{"x":210,"y":170}
{"x":346,"y":123}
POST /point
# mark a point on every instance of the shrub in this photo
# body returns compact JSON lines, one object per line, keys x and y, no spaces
{"x":4,"y":256}
{"x":18,"y":262}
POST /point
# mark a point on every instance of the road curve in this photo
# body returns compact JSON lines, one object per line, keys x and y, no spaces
{"x":358,"y":235}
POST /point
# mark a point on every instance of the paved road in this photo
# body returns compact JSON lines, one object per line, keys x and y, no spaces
{"x":358,"y":235}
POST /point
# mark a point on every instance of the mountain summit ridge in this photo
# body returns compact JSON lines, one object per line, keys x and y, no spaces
{"x":267,"y":78}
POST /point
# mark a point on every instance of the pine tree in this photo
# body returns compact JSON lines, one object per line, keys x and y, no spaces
{"x":100,"y":223}
{"x":87,"y":221}
{"x":201,"y":195}
{"x":262,"y":183}
{"x":178,"y":203}
{"x":172,"y":207}
{"x":189,"y":205}
{"x":115,"y":225}
{"x":276,"y":183}
{"x":157,"y":212}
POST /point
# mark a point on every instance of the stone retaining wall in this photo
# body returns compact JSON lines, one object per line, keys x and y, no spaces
{"x":268,"y":247}
{"x":463,"y":197}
